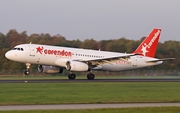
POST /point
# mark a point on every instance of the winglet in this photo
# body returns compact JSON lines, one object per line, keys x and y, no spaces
{"x":149,"y":45}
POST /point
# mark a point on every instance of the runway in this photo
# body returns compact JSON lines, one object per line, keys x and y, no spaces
{"x":85,"y":80}
{"x":84,"y":106}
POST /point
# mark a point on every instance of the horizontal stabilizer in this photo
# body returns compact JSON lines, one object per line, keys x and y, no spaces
{"x":157,"y":60}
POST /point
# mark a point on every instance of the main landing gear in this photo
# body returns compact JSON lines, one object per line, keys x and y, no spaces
{"x":27,"y":72}
{"x":72,"y":76}
{"x":90,"y":76}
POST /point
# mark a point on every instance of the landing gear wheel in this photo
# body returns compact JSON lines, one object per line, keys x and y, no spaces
{"x":71,"y":76}
{"x":90,"y":76}
{"x":26,"y":72}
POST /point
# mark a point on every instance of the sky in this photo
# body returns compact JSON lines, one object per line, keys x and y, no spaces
{"x":92,"y":19}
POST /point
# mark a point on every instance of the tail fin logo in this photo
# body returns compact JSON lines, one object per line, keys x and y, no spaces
{"x":144,"y":49}
{"x":145,"y":46}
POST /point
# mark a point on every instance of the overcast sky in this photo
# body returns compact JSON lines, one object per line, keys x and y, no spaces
{"x":97,"y":19}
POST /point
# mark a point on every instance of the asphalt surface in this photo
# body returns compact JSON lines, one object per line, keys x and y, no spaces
{"x":83,"y":106}
{"x":85,"y":80}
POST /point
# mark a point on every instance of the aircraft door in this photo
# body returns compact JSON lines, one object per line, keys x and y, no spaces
{"x":134,"y":61}
{"x":32,"y":50}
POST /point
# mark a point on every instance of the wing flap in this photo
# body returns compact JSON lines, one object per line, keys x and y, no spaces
{"x":108,"y":58}
{"x":100,"y":61}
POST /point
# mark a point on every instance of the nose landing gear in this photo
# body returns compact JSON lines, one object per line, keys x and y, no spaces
{"x":27,"y":72}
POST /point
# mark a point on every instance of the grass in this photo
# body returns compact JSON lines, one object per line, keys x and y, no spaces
{"x":64,"y":93}
{"x":121,"y":110}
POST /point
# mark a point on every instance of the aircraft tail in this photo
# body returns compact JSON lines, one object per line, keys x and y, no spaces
{"x":149,"y":45}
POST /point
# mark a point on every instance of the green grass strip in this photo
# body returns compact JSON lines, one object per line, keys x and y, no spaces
{"x":64,"y":93}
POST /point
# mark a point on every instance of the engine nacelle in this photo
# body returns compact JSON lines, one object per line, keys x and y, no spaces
{"x":76,"y":66}
{"x":49,"y":69}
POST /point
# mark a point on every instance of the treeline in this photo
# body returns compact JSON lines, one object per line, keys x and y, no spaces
{"x":12,"y":38}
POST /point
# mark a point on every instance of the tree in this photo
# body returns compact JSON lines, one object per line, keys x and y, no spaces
{"x":14,"y":38}
{"x":3,"y":41}
{"x":89,"y":44}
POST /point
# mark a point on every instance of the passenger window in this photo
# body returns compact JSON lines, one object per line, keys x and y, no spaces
{"x":22,"y":49}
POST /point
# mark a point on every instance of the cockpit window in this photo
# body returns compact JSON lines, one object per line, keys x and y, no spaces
{"x":17,"y":48}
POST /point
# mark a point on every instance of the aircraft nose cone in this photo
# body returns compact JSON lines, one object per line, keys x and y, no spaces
{"x":8,"y":55}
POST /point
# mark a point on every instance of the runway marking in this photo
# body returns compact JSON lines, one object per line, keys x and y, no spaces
{"x":83,"y":106}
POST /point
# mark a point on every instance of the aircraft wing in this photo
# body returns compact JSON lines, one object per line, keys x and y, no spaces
{"x":156,"y":60}
{"x":98,"y":61}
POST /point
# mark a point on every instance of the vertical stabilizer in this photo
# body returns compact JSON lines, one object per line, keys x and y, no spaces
{"x":149,"y":45}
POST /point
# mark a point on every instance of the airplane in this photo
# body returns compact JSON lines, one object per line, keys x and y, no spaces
{"x":55,"y":59}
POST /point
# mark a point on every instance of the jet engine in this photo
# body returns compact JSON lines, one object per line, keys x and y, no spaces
{"x":76,"y":66}
{"x":49,"y":69}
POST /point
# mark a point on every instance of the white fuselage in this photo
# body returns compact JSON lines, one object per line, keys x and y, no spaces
{"x":58,"y":56}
